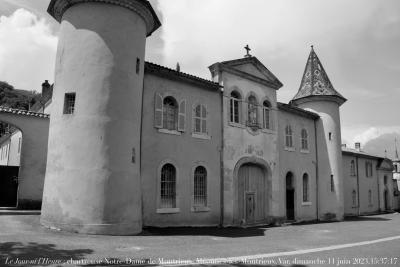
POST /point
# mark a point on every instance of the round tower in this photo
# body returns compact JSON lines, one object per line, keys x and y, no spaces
{"x":92,"y":182}
{"x":317,"y":94}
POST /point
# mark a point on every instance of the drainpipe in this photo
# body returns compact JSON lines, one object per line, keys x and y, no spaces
{"x":221,"y":155}
{"x":316,"y":170}
{"x":358,"y":188}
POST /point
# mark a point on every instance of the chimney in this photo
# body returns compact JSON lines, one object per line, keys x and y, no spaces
{"x":358,"y":146}
{"x":45,"y":88}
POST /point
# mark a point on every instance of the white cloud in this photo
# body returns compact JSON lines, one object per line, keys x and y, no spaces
{"x":27,"y":50}
{"x":363,"y":134}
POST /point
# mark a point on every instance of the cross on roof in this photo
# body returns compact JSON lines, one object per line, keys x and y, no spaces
{"x":248,"y":49}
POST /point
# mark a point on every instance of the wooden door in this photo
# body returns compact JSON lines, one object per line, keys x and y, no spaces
{"x":252,"y":194}
{"x":250,"y":207}
{"x":8,"y":186}
{"x":290,"y":194}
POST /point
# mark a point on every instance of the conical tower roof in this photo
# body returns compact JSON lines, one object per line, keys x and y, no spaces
{"x":315,"y":81}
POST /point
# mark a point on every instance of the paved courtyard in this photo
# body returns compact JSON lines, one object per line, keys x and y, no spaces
{"x":367,"y":241}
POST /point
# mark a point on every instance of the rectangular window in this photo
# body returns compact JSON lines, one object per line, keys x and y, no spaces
{"x":69,"y":103}
{"x":332,"y":184}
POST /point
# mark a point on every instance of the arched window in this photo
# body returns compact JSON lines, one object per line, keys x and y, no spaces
{"x":200,"y":187}
{"x":288,"y":136}
{"x":235,"y":107}
{"x":168,"y":186}
{"x":306,"y":196}
{"x":352,"y":168}
{"x":170,"y":116}
{"x":370,"y":197}
{"x":200,"y":119}
{"x":304,"y":139}
{"x":252,"y":119}
{"x":266,"y":115}
{"x":354,"y":198}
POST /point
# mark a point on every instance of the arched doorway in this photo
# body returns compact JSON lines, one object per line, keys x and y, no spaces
{"x":252,"y":189}
{"x":290,"y":193}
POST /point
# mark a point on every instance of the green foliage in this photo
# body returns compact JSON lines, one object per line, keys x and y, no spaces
{"x":19,"y":99}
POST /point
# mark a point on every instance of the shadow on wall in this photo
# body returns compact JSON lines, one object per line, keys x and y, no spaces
{"x":366,"y":218}
{"x":29,"y":252}
{"x":207,"y":231}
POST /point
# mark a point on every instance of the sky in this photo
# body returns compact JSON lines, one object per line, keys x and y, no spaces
{"x":357,"y":41}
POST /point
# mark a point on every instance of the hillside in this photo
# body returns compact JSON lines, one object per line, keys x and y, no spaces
{"x":384,"y":142}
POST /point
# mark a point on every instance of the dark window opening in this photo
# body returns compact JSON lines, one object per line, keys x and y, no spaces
{"x":330,"y":136}
{"x":69,"y":103}
{"x":137,"y":65}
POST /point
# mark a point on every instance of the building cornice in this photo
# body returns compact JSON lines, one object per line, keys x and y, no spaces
{"x":57,"y":9}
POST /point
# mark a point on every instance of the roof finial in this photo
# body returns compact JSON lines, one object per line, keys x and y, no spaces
{"x":178,"y":67}
{"x":312,"y":47}
{"x":247,"y":50}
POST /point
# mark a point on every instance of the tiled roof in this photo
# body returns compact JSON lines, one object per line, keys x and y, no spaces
{"x":298,"y":111}
{"x":23,"y":112}
{"x":173,"y":74}
{"x":352,"y":151}
{"x":315,"y":81}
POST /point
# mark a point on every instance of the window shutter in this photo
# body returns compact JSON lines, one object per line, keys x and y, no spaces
{"x":182,"y":116}
{"x":158,"y":111}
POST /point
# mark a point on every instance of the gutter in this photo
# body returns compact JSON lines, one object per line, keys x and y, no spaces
{"x":221,"y":200}
{"x":358,"y":188}
{"x":316,"y":170}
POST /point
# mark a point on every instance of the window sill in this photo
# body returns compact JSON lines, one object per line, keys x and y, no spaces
{"x":200,"y":209}
{"x":306,"y":203}
{"x":290,"y":149}
{"x":201,"y":136}
{"x":238,"y":125}
{"x":305,"y":151}
{"x":168,"y":210}
{"x":173,"y":132}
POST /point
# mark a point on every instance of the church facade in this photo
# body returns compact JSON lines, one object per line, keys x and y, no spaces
{"x":134,"y":144}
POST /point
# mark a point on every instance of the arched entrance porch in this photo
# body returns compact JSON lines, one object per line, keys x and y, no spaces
{"x":33,"y":155}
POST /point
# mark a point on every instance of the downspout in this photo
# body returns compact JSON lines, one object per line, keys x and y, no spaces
{"x":358,"y":188}
{"x":316,"y":169}
{"x":221,"y":156}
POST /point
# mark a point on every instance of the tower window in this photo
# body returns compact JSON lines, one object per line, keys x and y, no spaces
{"x":69,"y":103}
{"x":137,"y":65}
{"x":330,"y":136}
{"x":332,"y":184}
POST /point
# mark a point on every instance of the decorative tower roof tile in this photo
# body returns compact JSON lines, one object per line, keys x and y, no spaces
{"x":315,"y":81}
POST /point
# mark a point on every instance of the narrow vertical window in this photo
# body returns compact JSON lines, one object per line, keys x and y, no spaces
{"x":306,"y":197}
{"x":235,"y":107}
{"x":168,"y":186}
{"x":252,"y":119}
{"x":200,"y":187}
{"x":354,"y":198}
{"x":304,"y":139}
{"x":170,"y":113}
{"x":332,"y":184}
{"x":288,"y":136}
{"x":69,"y":103}
{"x":352,"y":168}
{"x":266,"y":115}
{"x":330,"y":136}
{"x":137,"y":65}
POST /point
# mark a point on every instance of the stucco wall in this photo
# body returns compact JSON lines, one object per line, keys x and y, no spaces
{"x":90,"y":151}
{"x":184,"y":151}
{"x":350,"y":184}
{"x":297,"y":162}
{"x":241,"y":142}
{"x":33,"y":157}
{"x":331,"y":204}
{"x":14,"y":156}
